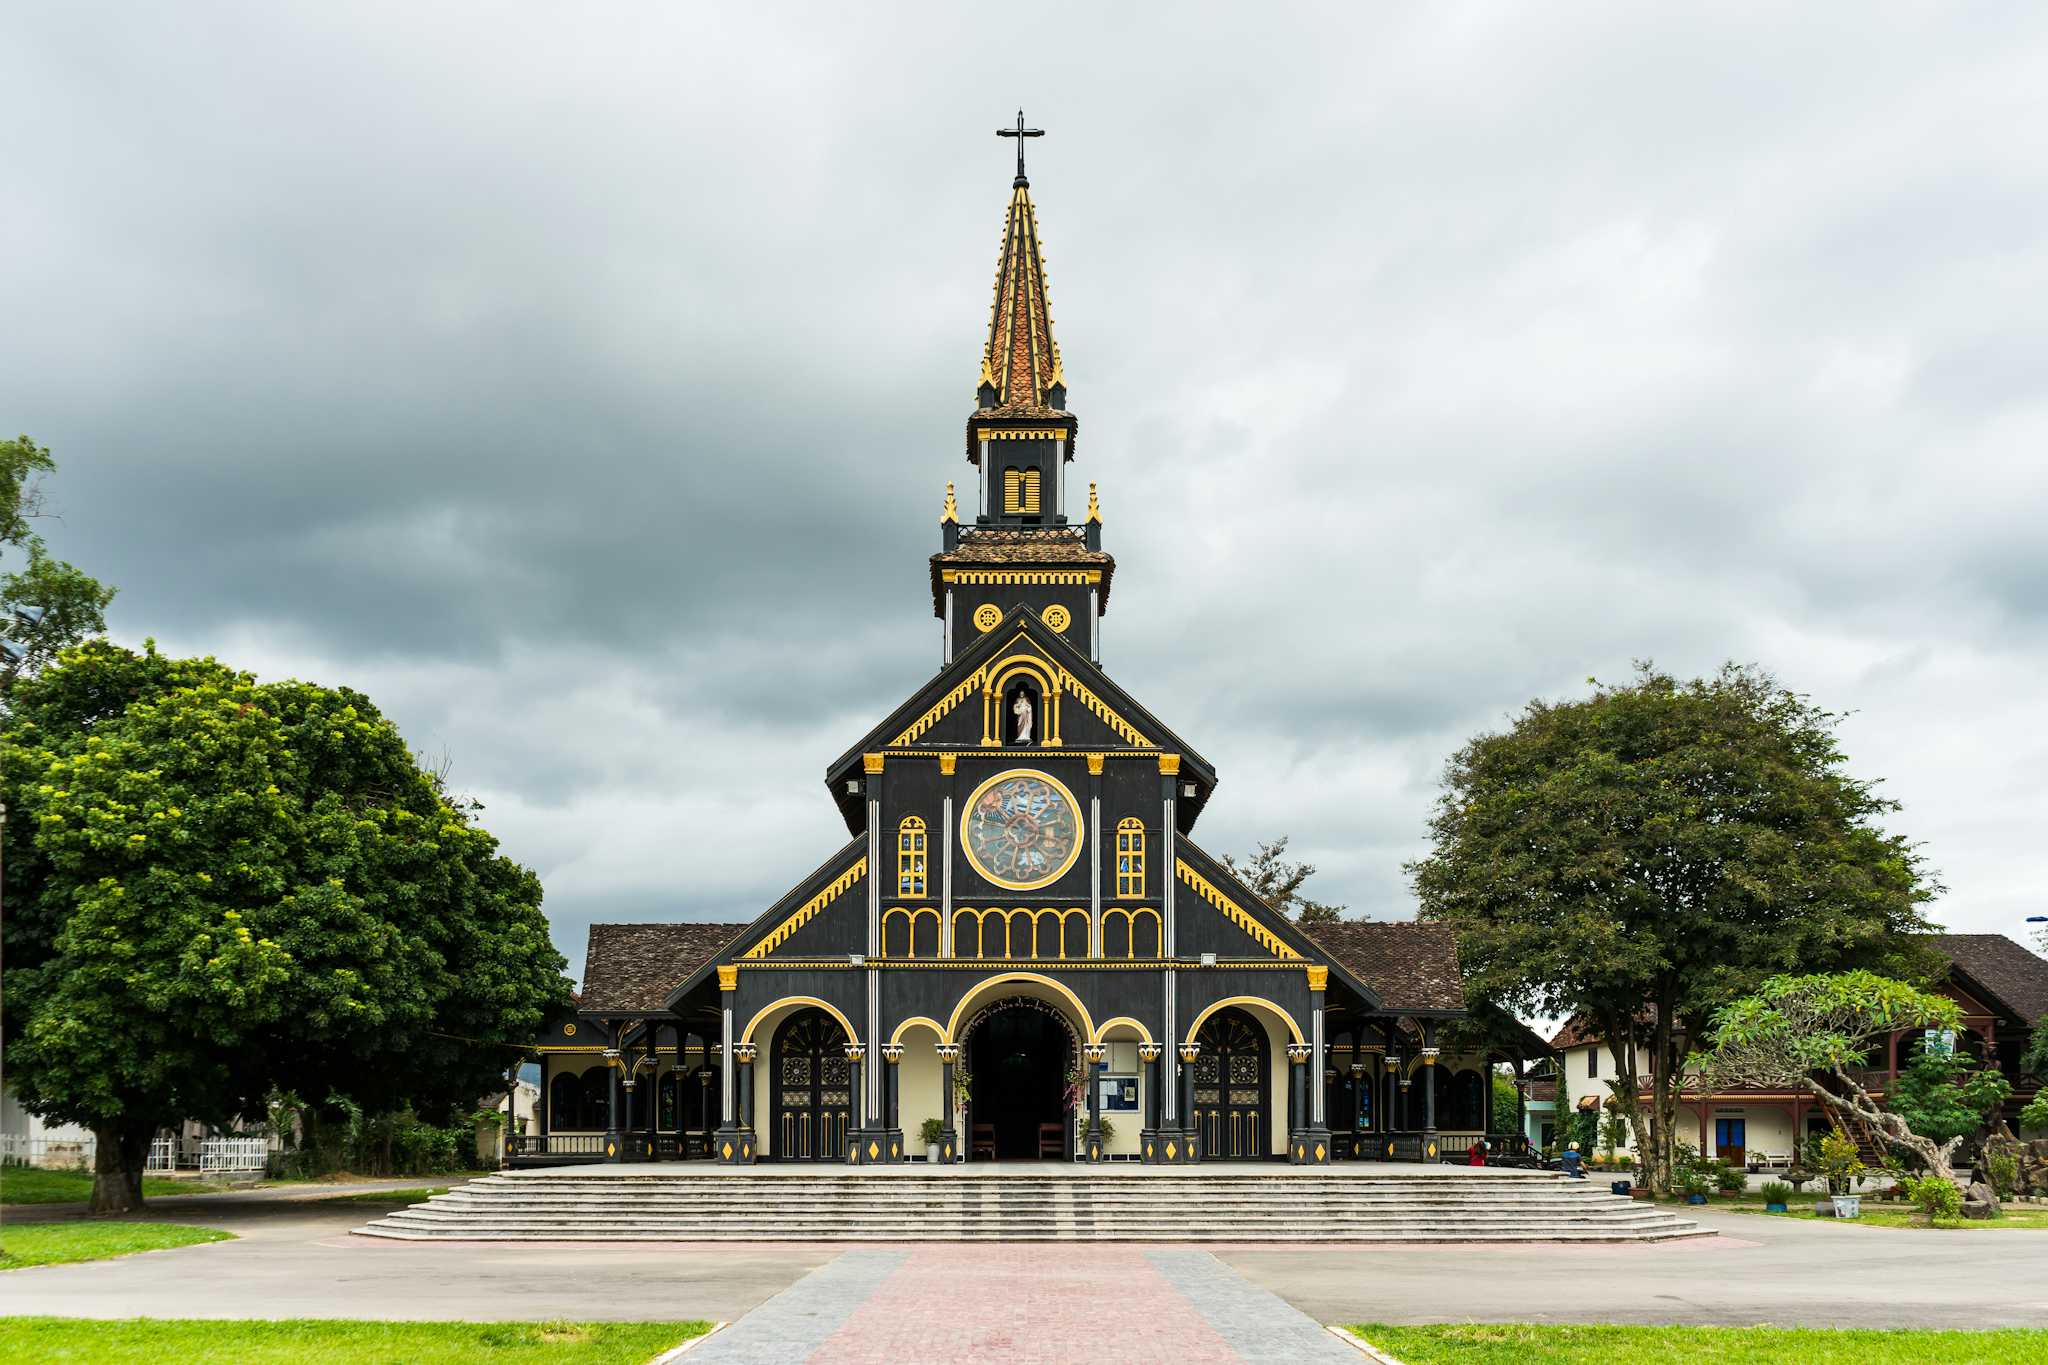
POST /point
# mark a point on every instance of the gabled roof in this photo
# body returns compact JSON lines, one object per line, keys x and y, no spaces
{"x":2016,"y":979}
{"x":961,"y":672}
{"x":634,"y":967}
{"x":800,"y":903}
{"x":1410,"y":965}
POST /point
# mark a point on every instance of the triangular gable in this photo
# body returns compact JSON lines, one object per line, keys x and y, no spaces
{"x":833,"y":880}
{"x":974,"y":670}
{"x":1206,"y":881}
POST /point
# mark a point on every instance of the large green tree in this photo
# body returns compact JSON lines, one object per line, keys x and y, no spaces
{"x":45,"y":604}
{"x":219,"y":888}
{"x":1647,"y":854}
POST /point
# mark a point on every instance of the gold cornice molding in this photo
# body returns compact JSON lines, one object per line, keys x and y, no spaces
{"x":1169,"y":765}
{"x":728,"y":978}
{"x":1236,"y":913}
{"x":872,"y":763}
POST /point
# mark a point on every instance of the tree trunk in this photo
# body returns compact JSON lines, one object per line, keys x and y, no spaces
{"x":1855,"y":1100}
{"x":120,"y":1153}
{"x":1663,"y":1101}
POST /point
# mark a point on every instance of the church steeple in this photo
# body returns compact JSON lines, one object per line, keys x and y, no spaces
{"x":1021,"y":435}
{"x":1021,"y":549}
{"x":1020,"y":365}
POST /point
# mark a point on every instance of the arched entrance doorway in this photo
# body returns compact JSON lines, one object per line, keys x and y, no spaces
{"x":813,"y":1088}
{"x":1231,"y":1075}
{"x":1020,"y":1054}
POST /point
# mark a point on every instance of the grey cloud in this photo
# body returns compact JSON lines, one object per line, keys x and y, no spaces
{"x":583,"y":385}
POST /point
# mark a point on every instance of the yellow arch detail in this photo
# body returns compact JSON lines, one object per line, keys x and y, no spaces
{"x":998,"y":674}
{"x":1130,"y":914}
{"x":959,"y":1010}
{"x":914,"y":1021}
{"x":910,"y":944}
{"x":1144,"y":1034}
{"x":1293,"y":1028}
{"x":852,"y":1034}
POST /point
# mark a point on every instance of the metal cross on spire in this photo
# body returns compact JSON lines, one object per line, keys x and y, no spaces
{"x":1020,"y":132}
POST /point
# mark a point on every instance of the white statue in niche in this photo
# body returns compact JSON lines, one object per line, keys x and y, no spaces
{"x":1021,"y":709}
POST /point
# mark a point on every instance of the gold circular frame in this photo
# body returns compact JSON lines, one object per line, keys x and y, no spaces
{"x":1057,"y":616}
{"x":987,"y":617}
{"x":1073,"y":808}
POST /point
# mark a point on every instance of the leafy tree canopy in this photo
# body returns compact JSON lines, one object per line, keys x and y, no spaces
{"x":1278,"y":883}
{"x":1944,"y":1094}
{"x":1646,"y":854}
{"x":1815,"y":1032}
{"x":217,"y":888}
{"x":73,"y":603}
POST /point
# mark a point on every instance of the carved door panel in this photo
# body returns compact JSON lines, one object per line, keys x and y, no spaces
{"x":1231,"y":1085}
{"x":813,"y":1089}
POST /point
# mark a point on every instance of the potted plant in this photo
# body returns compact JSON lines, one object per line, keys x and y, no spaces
{"x":1777,"y":1196}
{"x":931,"y":1132}
{"x":1694,"y":1184}
{"x":1729,"y":1180}
{"x":1797,"y":1176}
{"x":1840,"y":1164}
{"x":1095,"y":1137}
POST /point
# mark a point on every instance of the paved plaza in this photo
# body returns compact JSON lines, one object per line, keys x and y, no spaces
{"x":942,"y":1301}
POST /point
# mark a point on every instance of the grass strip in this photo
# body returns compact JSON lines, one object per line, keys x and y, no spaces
{"x":298,"y":1341}
{"x":22,"y":1185}
{"x":27,"y":1244}
{"x":1526,"y":1344}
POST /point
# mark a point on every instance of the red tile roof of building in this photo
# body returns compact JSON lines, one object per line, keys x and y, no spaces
{"x":1407,"y":963}
{"x":633,"y":967}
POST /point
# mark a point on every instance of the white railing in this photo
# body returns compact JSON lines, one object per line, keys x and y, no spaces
{"x":21,"y":1150}
{"x":163,"y":1155}
{"x":233,"y":1154}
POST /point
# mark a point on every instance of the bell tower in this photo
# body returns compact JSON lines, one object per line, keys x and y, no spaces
{"x":1020,"y":548}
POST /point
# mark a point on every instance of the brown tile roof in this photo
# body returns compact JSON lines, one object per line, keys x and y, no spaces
{"x":1019,"y":547}
{"x":635,"y":966}
{"x":1577,"y":1032}
{"x":1022,"y":545}
{"x":1408,"y":964}
{"x":2004,"y":968}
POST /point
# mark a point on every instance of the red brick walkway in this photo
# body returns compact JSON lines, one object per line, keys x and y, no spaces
{"x":1025,"y":1303}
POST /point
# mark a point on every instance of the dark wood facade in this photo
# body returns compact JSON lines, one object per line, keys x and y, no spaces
{"x":1021,"y":934}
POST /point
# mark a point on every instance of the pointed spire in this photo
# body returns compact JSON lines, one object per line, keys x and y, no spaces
{"x":1021,"y":363}
{"x":951,"y":513}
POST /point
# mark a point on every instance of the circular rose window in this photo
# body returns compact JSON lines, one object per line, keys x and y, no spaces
{"x":1021,"y":829}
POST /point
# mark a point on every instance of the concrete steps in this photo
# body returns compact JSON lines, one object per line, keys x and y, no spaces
{"x":543,"y":1206}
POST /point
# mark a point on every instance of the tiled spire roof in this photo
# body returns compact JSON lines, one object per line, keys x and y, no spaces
{"x":1021,"y":361}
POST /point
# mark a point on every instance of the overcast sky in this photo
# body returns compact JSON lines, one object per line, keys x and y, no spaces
{"x":581,"y":382}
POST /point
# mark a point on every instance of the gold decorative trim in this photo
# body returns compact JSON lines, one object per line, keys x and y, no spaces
{"x":1057,"y":617}
{"x":987,"y":617}
{"x":951,"y":513}
{"x":1020,"y":433}
{"x":728,"y":978}
{"x":947,"y":763}
{"x":1123,"y":728}
{"x":940,"y":708}
{"x":872,"y":763}
{"x":1013,"y":577}
{"x":1095,"y":765}
{"x":809,"y":909}
{"x":1169,"y":765}
{"x":1094,"y":507}
{"x":1318,"y":978}
{"x":1236,"y":913}
{"x":568,"y":1030}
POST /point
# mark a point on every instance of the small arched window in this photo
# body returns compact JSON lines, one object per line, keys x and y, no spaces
{"x":910,"y":857}
{"x":1130,"y":856}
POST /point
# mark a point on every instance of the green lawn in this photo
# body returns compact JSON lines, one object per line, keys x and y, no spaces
{"x":142,"y":1341}
{"x":25,"y":1244}
{"x":1522,"y":1344}
{"x":1878,"y":1215}
{"x":35,"y":1185}
{"x":411,"y":1196}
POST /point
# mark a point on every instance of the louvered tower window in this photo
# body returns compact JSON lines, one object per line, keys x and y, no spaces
{"x":1020,"y":492}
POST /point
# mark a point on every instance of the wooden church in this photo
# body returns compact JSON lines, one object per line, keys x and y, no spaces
{"x":1020,"y":949}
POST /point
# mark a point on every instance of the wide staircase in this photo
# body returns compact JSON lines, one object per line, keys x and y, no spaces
{"x":1241,"y":1207}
